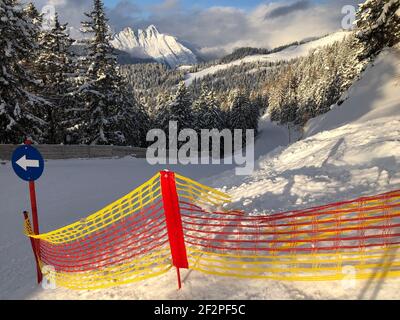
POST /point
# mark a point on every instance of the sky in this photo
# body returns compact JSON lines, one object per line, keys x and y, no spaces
{"x":243,"y":4}
{"x":216,"y":27}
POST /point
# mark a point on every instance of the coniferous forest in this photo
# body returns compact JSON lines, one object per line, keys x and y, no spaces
{"x":52,"y":94}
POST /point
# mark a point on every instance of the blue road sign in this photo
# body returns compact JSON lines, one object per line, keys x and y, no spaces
{"x":28,"y":163}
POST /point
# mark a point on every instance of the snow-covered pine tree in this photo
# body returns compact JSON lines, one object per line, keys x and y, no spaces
{"x":100,"y":92}
{"x":277,"y":98}
{"x":254,"y":112}
{"x":348,"y":64}
{"x":160,"y":110}
{"x":20,"y":109}
{"x":161,"y":114}
{"x":290,"y":107}
{"x":207,"y":113}
{"x":259,"y":100}
{"x":35,"y":19}
{"x":56,"y":66}
{"x":327,"y":84}
{"x":377,"y":26}
{"x":131,"y":120}
{"x":214,"y":118}
{"x":242,"y":114}
{"x":178,"y":108}
{"x":33,"y":14}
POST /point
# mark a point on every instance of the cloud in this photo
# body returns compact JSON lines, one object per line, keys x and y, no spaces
{"x":126,"y":8}
{"x":220,"y":29}
{"x":70,"y":11}
{"x":124,"y":14}
{"x":166,"y":6}
{"x":287,"y":9}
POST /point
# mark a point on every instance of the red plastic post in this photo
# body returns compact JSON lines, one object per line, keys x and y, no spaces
{"x":174,"y":222}
{"x":32,"y":193}
{"x":178,"y":274}
{"x":35,"y":220}
{"x":35,"y":253}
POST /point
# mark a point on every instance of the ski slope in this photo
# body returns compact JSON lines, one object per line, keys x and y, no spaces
{"x":73,"y":189}
{"x":351,"y":151}
{"x":375,"y":96}
{"x":287,"y":54}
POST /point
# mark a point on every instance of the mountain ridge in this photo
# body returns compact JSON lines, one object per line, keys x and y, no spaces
{"x":151,"y":44}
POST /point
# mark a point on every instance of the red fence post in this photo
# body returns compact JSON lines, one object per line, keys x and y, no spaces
{"x":35,"y":220}
{"x":35,"y":250}
{"x":174,"y":222}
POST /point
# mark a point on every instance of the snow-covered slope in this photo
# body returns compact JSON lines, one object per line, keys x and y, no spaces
{"x":150,"y":43}
{"x":375,"y":96}
{"x":289,"y":53}
{"x":352,"y":150}
{"x":338,"y":159}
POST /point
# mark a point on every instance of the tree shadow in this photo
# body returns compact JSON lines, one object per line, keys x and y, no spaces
{"x":377,"y":277}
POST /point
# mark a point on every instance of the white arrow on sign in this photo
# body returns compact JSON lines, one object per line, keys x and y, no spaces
{"x":24,"y":163}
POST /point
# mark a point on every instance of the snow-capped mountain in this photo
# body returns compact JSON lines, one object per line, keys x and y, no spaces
{"x":150,"y":43}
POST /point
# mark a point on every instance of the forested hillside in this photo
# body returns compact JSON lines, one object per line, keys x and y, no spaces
{"x":52,"y":95}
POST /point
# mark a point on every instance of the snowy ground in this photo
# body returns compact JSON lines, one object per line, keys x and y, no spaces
{"x":351,"y":151}
{"x":72,"y":189}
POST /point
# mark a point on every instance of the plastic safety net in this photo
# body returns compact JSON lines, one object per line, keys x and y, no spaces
{"x":129,"y":239}
{"x":356,"y":239}
{"x":124,"y":242}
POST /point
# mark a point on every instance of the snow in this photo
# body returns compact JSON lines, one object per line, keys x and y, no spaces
{"x":72,"y":189}
{"x":287,"y":54}
{"x":68,"y":191}
{"x":351,"y":151}
{"x":150,"y":43}
{"x":331,"y":166}
{"x":375,"y":96}
{"x":185,"y":67}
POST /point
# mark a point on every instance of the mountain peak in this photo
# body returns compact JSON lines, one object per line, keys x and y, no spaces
{"x":150,"y":43}
{"x":152,"y":28}
{"x":128,"y":30}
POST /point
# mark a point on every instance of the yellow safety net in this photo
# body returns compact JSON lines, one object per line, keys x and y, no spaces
{"x":128,"y":240}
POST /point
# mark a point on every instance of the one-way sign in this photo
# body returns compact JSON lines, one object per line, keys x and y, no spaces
{"x":27,"y":163}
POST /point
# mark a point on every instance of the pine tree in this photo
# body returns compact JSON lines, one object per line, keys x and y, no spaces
{"x":35,"y":19}
{"x":243,"y":115}
{"x":131,"y":120}
{"x":178,"y":108}
{"x":100,"y":91}
{"x":207,"y":113}
{"x":378,"y":26}
{"x":277,"y":97}
{"x":348,"y":64}
{"x":56,"y":67}
{"x":20,"y":109}
{"x":239,"y":117}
